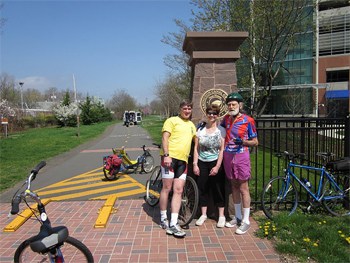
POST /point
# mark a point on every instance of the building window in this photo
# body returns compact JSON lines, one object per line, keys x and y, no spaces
{"x":337,"y":76}
{"x":334,"y":36}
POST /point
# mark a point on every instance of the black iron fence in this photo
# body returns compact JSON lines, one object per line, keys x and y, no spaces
{"x":296,"y":135}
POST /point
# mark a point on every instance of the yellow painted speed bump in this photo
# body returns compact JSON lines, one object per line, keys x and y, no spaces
{"x":105,"y":211}
{"x":23,"y":217}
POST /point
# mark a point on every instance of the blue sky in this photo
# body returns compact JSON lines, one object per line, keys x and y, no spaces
{"x":108,"y":45}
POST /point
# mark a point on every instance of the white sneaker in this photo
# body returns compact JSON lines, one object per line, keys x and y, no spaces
{"x":234,"y":222}
{"x":176,"y":231}
{"x":164,"y":224}
{"x":221,"y":222}
{"x":201,"y":220}
{"x":242,"y":229}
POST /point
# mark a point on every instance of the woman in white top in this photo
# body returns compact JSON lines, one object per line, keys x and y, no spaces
{"x":207,"y":160}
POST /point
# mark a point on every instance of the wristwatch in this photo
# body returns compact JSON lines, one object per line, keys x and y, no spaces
{"x":166,"y":154}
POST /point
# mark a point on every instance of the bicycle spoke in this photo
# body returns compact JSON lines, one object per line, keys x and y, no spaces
{"x":153,"y":187}
{"x":148,"y":164}
{"x":336,"y":200}
{"x":189,"y":204}
{"x":277,"y":199}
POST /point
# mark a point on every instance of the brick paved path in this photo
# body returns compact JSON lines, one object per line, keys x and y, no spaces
{"x":133,"y":235}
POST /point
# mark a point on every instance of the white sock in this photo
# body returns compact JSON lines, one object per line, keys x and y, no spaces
{"x":238,"y":211}
{"x":246,"y":212}
{"x":163,"y":215}
{"x":174,"y":217}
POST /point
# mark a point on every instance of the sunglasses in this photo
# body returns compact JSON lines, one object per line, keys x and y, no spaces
{"x":212,"y":113}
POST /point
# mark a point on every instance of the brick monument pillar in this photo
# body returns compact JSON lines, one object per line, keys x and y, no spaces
{"x":213,"y":62}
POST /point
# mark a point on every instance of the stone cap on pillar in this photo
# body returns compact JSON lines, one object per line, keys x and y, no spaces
{"x":218,"y":42}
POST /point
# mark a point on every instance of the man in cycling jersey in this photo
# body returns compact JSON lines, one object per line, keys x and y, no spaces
{"x":177,"y":135}
{"x":240,"y":136}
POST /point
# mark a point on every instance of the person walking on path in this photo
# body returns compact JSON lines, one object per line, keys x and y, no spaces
{"x":177,"y":136}
{"x":240,"y":135}
{"x":207,"y":160}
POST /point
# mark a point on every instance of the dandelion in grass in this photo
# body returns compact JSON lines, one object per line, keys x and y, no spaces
{"x":306,"y":239}
{"x":348,"y":240}
{"x":315,"y":244}
{"x":339,"y":231}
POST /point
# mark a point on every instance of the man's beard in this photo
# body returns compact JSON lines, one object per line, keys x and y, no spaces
{"x":234,"y":112}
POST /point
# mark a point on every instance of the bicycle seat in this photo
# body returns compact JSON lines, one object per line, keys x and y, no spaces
{"x":324,"y":154}
{"x":44,"y":241}
{"x":118,"y":151}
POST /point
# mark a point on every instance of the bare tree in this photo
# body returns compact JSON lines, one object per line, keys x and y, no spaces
{"x":156,"y":107}
{"x":8,"y":90}
{"x":169,"y":92}
{"x":52,"y":94}
{"x":178,"y":62}
{"x":296,"y":101}
{"x":32,"y":97}
{"x":121,"y":101}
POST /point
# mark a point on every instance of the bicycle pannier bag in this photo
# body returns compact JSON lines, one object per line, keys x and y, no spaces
{"x":113,"y":161}
{"x":339,"y":165}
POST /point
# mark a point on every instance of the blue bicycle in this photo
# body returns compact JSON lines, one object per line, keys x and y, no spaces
{"x":280,"y":194}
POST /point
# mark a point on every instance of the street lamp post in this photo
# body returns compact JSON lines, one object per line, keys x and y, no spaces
{"x":21,"y":84}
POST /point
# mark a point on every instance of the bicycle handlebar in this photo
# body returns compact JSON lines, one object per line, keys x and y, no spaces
{"x":16,"y":200}
{"x":37,"y":168}
{"x":15,"y":205}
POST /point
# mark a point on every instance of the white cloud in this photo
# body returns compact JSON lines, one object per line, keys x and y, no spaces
{"x":36,"y":82}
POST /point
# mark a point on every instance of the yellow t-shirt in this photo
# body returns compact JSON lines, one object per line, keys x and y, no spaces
{"x":181,"y":135}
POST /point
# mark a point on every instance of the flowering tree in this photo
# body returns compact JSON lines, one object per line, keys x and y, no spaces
{"x":66,"y":114}
{"x":5,"y":109}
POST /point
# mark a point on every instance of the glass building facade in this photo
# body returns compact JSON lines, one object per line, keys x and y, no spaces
{"x":297,"y":70}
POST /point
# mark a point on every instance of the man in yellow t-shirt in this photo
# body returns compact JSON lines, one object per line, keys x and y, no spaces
{"x":177,"y":135}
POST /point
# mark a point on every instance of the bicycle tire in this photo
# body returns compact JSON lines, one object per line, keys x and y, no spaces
{"x":147,"y":164}
{"x":153,"y":187}
{"x":113,"y":176}
{"x":271,"y":201}
{"x":189,"y":204}
{"x":73,"y":251}
{"x":335,"y":203}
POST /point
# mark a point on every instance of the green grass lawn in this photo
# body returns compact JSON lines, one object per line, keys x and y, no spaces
{"x":20,"y":152}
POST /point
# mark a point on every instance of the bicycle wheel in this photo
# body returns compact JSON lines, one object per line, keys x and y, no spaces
{"x":335,"y":201}
{"x":72,"y":250}
{"x":190,"y":199}
{"x":147,"y":164}
{"x":278,"y":196}
{"x":153,"y":187}
{"x":111,"y":176}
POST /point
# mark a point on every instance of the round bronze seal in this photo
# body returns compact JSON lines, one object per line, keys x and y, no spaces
{"x":214,"y":96}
